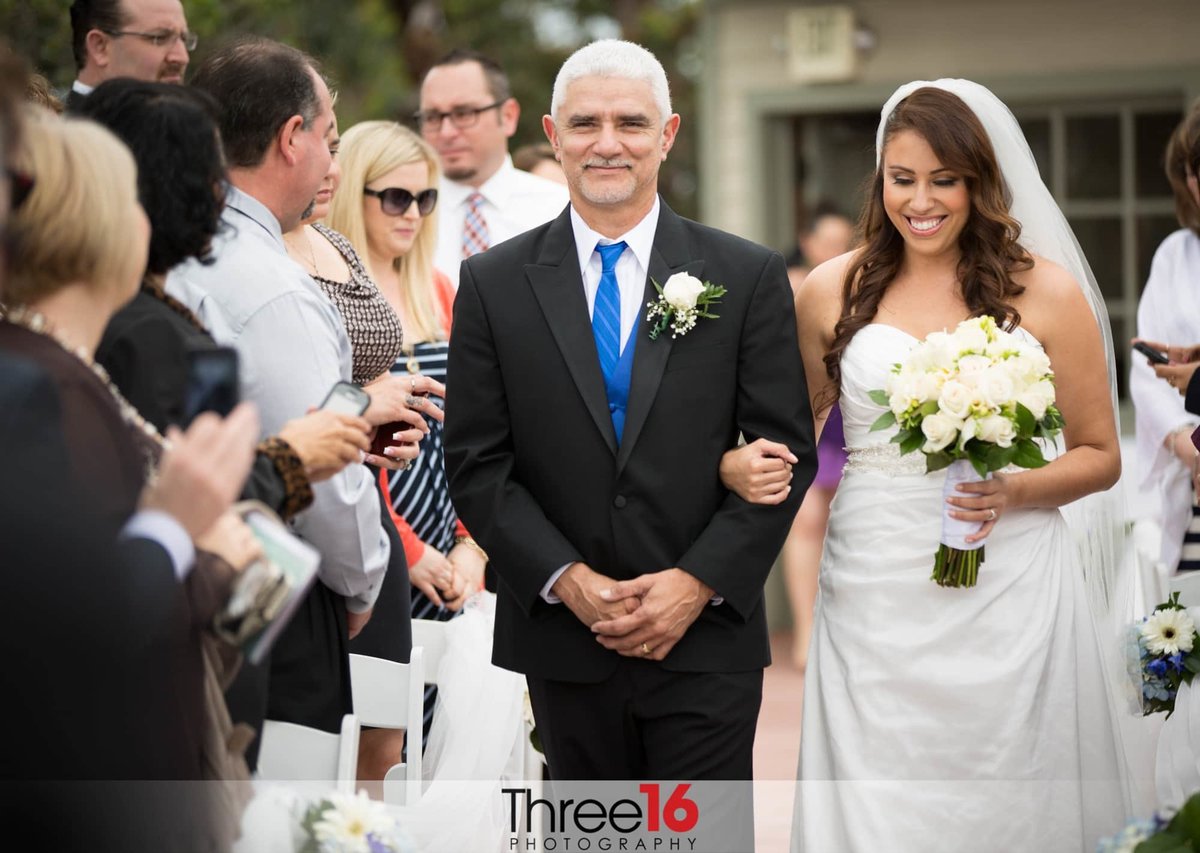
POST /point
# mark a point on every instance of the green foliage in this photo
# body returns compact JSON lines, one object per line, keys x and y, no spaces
{"x":376,"y":51}
{"x":1180,"y":835}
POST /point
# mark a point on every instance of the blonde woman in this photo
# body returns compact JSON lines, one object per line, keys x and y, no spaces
{"x":383,"y":206}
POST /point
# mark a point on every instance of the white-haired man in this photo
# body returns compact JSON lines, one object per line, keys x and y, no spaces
{"x":584,"y":457}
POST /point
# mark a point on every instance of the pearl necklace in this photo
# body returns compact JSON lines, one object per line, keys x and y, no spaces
{"x":37,"y":323}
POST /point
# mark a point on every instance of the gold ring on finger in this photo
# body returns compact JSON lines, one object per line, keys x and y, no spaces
{"x":646,"y":649}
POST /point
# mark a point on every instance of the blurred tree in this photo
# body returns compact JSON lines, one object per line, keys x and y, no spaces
{"x":376,"y":51}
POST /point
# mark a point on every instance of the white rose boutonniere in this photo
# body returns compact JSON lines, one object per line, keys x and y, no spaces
{"x":681,"y":301}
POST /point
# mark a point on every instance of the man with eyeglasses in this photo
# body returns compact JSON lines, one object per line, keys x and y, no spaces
{"x":468,"y":114}
{"x":143,"y":39}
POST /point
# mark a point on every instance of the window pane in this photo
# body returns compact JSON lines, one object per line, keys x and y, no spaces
{"x":1037,"y":134}
{"x":1151,"y":230}
{"x":1094,"y":157}
{"x":1101,"y":242}
{"x":1151,"y":132}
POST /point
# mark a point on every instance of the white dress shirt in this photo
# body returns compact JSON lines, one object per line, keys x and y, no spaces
{"x":632,"y":268}
{"x":160,"y":527}
{"x":293,"y":347}
{"x":513,"y":202}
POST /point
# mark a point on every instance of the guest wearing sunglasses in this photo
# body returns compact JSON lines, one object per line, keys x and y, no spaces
{"x":143,"y":39}
{"x":389,"y":180}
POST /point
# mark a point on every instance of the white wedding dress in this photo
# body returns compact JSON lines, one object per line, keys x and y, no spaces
{"x":940,"y":719}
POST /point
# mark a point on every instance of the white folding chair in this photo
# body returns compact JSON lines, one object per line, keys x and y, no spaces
{"x":390,"y":695}
{"x":294,"y":753}
{"x":431,"y":636}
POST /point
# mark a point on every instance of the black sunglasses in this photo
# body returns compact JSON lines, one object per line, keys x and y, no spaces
{"x":20,"y":186}
{"x":395,"y":200}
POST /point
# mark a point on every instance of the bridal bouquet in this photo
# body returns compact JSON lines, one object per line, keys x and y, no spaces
{"x":973,"y":400}
{"x":1169,"y":654}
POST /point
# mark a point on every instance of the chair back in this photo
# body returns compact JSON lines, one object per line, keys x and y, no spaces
{"x":390,"y":695}
{"x":295,"y":753}
{"x":430,"y":635}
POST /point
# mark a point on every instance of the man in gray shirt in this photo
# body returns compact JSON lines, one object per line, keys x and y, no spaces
{"x":276,"y":125}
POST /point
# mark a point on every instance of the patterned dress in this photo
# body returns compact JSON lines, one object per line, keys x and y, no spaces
{"x":376,"y":339}
{"x":421,"y":494}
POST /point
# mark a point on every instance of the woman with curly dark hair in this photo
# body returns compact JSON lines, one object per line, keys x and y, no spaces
{"x":955,"y":718}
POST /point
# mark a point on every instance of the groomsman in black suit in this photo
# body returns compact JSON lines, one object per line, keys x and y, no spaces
{"x":583,"y":451}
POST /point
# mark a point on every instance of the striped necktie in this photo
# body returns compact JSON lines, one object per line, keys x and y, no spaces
{"x":606,"y":313}
{"x":475,"y":231}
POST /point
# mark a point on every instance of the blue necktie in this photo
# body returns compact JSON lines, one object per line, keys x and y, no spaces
{"x":606,"y":313}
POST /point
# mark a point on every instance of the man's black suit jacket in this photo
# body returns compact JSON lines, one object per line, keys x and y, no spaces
{"x":535,"y":470}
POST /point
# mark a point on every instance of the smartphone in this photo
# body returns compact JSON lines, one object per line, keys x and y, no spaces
{"x":212,"y":382}
{"x":347,"y":398}
{"x":1151,"y":353}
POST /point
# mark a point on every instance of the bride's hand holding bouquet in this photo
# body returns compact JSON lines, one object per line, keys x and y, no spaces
{"x":974,"y":401}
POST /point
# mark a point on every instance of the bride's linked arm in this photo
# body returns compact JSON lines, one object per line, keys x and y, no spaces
{"x":761,"y":472}
{"x":1054,"y":311}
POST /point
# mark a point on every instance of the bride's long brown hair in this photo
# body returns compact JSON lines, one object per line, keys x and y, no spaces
{"x":990,"y":251}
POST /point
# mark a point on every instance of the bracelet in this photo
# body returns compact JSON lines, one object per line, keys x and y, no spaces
{"x":472,"y":544}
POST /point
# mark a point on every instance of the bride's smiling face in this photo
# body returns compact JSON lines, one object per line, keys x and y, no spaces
{"x":927,"y":202}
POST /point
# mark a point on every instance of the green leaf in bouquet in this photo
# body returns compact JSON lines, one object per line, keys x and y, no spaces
{"x":883,"y":421}
{"x":879,"y":397}
{"x":1186,"y":821}
{"x":912,"y":441}
{"x":977,"y":458}
{"x":998,"y":457}
{"x":937,"y":461}
{"x":1192,"y":663}
{"x":1027,"y":454}
{"x":929,"y":407}
{"x":1026,"y":422}
{"x":1165,"y":841}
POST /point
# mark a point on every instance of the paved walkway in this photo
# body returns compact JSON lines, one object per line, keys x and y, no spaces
{"x":777,"y":748}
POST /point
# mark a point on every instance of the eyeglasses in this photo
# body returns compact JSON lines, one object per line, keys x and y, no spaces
{"x":430,"y":121}
{"x":395,"y":201}
{"x":20,"y":186}
{"x":161,"y":38}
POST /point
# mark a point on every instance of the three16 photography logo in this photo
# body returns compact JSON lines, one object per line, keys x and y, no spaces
{"x":630,"y":816}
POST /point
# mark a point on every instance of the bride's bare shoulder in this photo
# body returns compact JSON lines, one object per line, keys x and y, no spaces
{"x":1052,"y":295}
{"x":824,"y":284}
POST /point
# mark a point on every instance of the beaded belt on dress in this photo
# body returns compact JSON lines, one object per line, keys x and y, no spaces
{"x":884,"y":459}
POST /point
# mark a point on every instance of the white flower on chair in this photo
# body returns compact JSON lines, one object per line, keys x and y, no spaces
{"x":341,"y":823}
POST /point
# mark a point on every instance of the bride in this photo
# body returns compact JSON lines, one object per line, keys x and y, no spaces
{"x":956,"y":718}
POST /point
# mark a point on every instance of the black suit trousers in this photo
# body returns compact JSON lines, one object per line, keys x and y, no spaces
{"x":644,"y":721}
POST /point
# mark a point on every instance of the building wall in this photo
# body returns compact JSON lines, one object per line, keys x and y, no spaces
{"x":1024,"y":44}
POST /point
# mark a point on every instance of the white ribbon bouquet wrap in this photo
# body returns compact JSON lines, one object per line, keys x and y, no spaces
{"x":974,"y":401}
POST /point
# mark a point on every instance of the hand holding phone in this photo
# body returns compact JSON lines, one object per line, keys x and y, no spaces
{"x":347,"y":398}
{"x":1155,"y":356}
{"x":212,"y":382}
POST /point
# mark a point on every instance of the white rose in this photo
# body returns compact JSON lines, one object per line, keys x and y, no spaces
{"x":1037,"y":397}
{"x":996,"y":429}
{"x":682,"y":291}
{"x":934,"y":353}
{"x":955,"y":399}
{"x":901,"y":388}
{"x":927,"y":386}
{"x":940,"y":430}
{"x":973,"y":365}
{"x":970,"y":336}
{"x":1030,"y":366}
{"x":995,"y":387}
